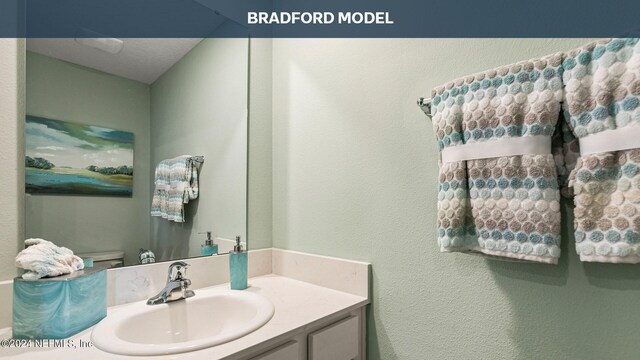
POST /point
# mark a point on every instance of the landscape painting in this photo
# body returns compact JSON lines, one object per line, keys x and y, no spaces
{"x":69,"y":158}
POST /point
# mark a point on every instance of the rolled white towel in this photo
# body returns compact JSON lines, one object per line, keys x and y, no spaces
{"x":43,"y":258}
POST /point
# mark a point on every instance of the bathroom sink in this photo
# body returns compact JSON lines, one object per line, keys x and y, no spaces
{"x":210,"y":318}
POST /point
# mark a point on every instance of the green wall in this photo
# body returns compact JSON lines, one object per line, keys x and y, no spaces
{"x":199,"y":107}
{"x":354,"y":176}
{"x":12,"y":72}
{"x":64,"y":91}
{"x":260,"y":187}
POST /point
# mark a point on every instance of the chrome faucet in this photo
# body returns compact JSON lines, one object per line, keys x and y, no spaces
{"x":177,"y":286}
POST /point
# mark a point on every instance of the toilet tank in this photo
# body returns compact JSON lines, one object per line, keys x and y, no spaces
{"x":105,"y":259}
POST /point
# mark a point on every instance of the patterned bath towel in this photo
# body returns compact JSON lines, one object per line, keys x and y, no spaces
{"x":602,"y":98}
{"x":498,"y":185}
{"x":176,"y":183}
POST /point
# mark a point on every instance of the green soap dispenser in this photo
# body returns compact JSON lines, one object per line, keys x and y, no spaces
{"x":209,"y":248}
{"x":238,"y":265}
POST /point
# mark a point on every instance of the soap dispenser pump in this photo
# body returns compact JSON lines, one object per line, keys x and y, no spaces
{"x":238,"y":265}
{"x":209,"y":248}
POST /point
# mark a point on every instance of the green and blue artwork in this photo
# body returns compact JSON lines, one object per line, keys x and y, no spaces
{"x":69,"y":158}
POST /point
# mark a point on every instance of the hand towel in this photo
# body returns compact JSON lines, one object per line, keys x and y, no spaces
{"x":43,"y":258}
{"x":176,"y":183}
{"x":602,"y":95}
{"x":507,"y":205}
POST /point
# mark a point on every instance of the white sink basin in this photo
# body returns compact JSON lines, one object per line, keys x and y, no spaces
{"x":210,"y":318}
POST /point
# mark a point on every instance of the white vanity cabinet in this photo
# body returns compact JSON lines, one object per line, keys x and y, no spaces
{"x":336,"y":338}
{"x":336,"y":341}
{"x":320,"y":311}
{"x":289,"y":351}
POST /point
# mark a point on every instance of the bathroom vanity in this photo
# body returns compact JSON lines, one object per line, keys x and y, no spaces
{"x":318,"y":311}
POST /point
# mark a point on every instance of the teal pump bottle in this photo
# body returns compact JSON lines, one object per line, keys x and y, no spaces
{"x":238,"y":265}
{"x":209,"y":248}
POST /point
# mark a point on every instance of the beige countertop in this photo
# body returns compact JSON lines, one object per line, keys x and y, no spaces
{"x":298,"y":306}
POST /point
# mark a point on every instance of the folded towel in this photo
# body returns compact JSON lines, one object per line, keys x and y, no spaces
{"x":43,"y":258}
{"x":490,"y":200}
{"x":494,"y":201}
{"x":176,"y":183}
{"x":602,"y":94}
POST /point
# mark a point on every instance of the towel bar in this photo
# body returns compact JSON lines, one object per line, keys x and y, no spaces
{"x":425,"y":105}
{"x":198,"y":159}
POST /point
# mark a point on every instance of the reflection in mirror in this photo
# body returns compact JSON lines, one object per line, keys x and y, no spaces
{"x":118,"y":130}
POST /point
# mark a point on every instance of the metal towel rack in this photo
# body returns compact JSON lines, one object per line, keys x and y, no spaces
{"x":198,"y":159}
{"x":425,"y":105}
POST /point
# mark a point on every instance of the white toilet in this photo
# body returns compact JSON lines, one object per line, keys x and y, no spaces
{"x":105,"y":259}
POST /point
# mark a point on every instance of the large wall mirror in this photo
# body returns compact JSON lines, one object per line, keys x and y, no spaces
{"x":136,"y":148}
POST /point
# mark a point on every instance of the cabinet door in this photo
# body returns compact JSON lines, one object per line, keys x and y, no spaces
{"x":288,"y":351}
{"x":339,"y":341}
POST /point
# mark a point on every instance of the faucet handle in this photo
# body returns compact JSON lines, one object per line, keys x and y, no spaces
{"x":178,"y":265}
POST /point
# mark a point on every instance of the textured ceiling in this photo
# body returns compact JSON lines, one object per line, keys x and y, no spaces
{"x":143,"y":60}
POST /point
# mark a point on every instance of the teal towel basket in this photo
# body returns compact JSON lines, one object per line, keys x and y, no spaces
{"x":59,"y":307}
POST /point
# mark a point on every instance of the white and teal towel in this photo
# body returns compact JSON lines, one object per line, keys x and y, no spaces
{"x":602,"y":103}
{"x":176,"y":183}
{"x":500,"y":135}
{"x":491,"y":201}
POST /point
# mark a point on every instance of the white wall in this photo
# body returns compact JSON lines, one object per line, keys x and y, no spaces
{"x":354,"y":176}
{"x":12,"y":64}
